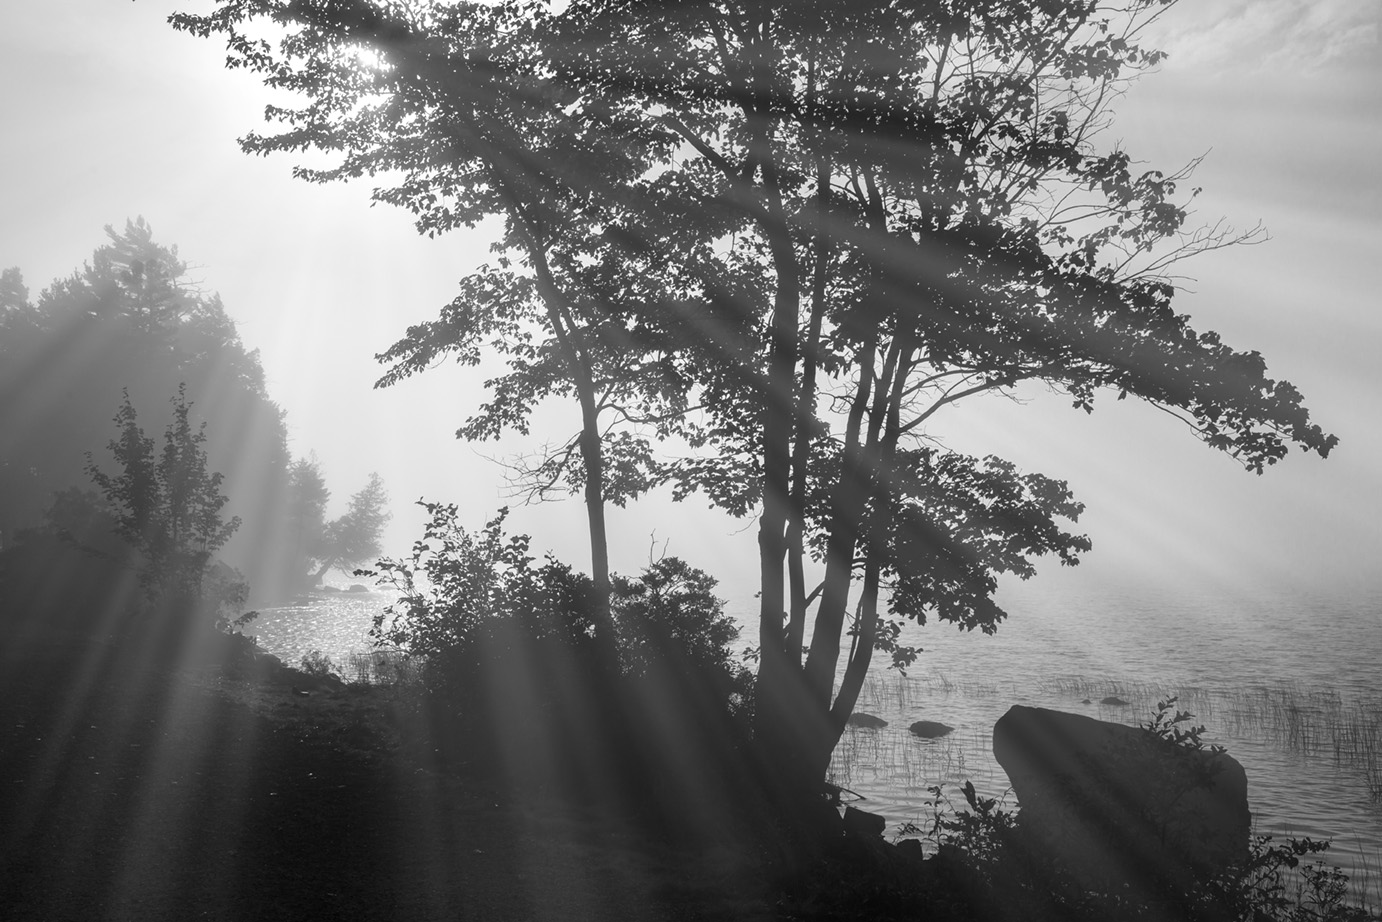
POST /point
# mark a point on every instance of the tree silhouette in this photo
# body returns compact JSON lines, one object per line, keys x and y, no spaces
{"x":354,"y":538}
{"x":921,"y":215}
{"x":166,"y":505}
{"x":306,"y":515}
{"x":132,"y":319}
{"x":477,"y":130}
{"x":842,"y":219}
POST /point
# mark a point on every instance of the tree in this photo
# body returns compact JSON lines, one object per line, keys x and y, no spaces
{"x":923,"y":215}
{"x":354,"y":538}
{"x":459,"y":102}
{"x":852,"y":216}
{"x":166,"y":505}
{"x":306,"y":514}
{"x":637,"y":391}
{"x":132,"y":319}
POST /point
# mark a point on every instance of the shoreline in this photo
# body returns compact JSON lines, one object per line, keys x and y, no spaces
{"x":247,"y":799}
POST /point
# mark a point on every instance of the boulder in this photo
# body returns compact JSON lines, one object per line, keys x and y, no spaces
{"x":867,"y":721}
{"x":1113,"y":700}
{"x":863,"y":824}
{"x":1118,"y":805}
{"x":930,"y":729}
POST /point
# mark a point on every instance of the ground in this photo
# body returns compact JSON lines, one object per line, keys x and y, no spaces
{"x":132,"y":792}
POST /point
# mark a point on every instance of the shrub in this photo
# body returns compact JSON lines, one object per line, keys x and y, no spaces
{"x":474,"y":606}
{"x":1284,"y":881}
{"x":462,"y":592}
{"x":456,"y":584}
{"x":222,"y":594}
{"x":318,"y":664}
{"x":512,"y":675}
{"x":671,"y":624}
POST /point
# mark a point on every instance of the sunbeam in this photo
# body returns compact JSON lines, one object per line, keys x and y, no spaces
{"x":800,"y":335}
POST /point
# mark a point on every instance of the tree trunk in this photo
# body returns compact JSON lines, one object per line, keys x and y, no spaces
{"x":591,"y":445}
{"x":804,"y":418}
{"x":885,"y":429}
{"x":592,"y":454}
{"x":846,"y":505}
{"x":860,"y":655}
{"x":321,"y":572}
{"x":790,"y":727}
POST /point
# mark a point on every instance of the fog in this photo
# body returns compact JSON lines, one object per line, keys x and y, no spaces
{"x":117,"y":116}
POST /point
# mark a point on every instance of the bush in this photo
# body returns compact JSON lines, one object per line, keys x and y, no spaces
{"x":514,"y":676}
{"x":317,"y":664}
{"x":671,"y":625}
{"x":462,"y":594}
{"x":455,"y":585}
{"x":473,"y":605}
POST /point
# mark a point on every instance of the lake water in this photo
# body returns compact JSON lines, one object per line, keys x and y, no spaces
{"x":1291,"y":687}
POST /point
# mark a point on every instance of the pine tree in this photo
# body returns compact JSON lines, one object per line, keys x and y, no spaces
{"x":166,"y":505}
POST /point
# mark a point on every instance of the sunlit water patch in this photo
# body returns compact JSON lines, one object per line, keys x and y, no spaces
{"x":335,"y":624}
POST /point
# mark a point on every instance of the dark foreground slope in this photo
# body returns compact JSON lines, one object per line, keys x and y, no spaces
{"x":180,"y":796}
{"x":163,"y":771}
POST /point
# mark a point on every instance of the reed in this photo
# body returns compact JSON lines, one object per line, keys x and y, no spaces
{"x":1317,"y":723}
{"x":908,"y":764}
{"x":1365,"y":880}
{"x":382,"y":667}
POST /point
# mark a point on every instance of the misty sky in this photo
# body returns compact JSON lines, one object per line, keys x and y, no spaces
{"x":109,"y":114}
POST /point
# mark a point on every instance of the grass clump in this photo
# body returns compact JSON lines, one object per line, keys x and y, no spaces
{"x":317,"y":664}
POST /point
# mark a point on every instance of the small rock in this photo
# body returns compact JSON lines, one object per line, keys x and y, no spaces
{"x":867,"y":721}
{"x":1086,"y":701}
{"x":1114,"y":700}
{"x":930,"y":729}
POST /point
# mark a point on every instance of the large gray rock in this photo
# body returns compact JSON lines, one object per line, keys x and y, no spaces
{"x":1116,"y":804}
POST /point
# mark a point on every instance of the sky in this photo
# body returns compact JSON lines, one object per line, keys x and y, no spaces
{"x":109,"y":114}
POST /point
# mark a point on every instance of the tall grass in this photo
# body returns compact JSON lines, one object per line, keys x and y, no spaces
{"x":1316,"y":723}
{"x":382,"y":667}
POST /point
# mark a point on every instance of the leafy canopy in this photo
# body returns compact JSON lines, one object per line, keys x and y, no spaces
{"x":824,"y":222}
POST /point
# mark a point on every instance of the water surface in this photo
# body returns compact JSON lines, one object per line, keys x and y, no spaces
{"x":1271,"y":678}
